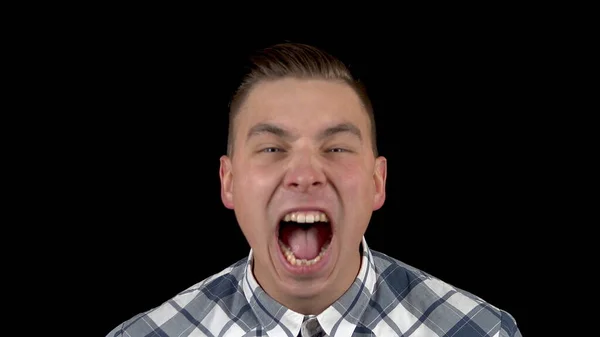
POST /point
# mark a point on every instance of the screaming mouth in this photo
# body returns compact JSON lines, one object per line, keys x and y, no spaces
{"x":304,"y":237}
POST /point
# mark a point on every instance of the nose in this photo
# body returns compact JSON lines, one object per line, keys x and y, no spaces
{"x":304,"y":173}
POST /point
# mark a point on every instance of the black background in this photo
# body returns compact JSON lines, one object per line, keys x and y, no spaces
{"x":457,"y":119}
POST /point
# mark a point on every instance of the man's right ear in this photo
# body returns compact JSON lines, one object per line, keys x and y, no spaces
{"x":226,"y":175}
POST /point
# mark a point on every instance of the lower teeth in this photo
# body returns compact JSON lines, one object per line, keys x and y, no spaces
{"x":289,"y":255}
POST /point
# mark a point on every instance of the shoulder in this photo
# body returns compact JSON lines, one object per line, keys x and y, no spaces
{"x":422,"y":301}
{"x":181,"y":314}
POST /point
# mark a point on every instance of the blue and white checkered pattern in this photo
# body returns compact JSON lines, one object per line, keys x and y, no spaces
{"x":388,"y":298}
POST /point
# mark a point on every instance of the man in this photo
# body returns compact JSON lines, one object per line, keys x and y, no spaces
{"x":303,"y":176}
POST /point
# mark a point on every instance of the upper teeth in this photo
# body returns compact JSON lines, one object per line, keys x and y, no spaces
{"x":308,"y":217}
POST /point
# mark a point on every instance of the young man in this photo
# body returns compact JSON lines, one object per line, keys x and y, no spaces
{"x":303,"y":176}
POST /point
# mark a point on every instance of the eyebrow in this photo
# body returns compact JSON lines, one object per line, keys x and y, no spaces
{"x":341,"y":128}
{"x":262,"y":128}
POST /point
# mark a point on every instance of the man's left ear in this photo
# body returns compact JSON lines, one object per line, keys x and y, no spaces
{"x":379,"y":177}
{"x":226,"y":175}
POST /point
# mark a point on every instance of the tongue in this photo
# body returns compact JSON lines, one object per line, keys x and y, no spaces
{"x":305,"y":243}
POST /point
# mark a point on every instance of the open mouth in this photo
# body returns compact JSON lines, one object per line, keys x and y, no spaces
{"x":304,"y":237}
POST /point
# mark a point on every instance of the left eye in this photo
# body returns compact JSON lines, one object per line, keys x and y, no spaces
{"x":337,"y":149}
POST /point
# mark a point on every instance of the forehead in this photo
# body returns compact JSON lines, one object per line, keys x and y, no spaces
{"x":302,"y":104}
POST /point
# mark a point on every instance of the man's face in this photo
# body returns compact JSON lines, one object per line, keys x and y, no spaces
{"x":303,"y":182}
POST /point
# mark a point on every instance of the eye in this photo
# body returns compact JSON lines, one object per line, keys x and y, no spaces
{"x":337,"y":149}
{"x":271,"y":150}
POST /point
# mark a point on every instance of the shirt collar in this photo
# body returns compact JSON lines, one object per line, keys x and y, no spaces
{"x":339,"y":318}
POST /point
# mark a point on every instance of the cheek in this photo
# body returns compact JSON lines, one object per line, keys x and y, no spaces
{"x":356,"y":186}
{"x":253,"y":185}
{"x":351,"y":177}
{"x":251,"y":192}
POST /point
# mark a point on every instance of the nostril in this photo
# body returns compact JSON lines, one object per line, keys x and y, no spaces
{"x":304,"y":183}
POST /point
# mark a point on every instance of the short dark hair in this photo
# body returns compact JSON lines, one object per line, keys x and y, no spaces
{"x":295,"y":60}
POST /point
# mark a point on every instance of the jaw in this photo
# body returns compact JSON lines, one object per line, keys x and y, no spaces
{"x":307,"y":289}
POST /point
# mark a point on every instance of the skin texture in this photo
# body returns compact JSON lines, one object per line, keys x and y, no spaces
{"x":290,"y":161}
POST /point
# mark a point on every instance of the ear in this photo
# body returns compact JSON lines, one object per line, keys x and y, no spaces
{"x":379,"y":177}
{"x":226,"y":175}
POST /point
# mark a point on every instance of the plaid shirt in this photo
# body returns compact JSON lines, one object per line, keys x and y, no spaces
{"x":388,"y":298}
